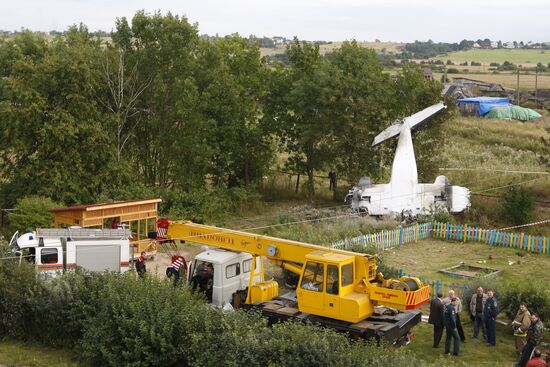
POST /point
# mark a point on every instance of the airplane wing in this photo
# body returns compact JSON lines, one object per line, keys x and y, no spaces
{"x":413,"y":121}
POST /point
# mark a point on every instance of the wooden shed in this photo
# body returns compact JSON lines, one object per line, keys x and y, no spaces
{"x":138,"y":215}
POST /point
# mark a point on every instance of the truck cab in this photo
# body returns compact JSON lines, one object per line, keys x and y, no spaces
{"x":223,"y":275}
{"x":54,"y":250}
{"x":45,"y":253}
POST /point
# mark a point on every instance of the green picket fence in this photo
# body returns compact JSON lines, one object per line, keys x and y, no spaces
{"x":393,"y":238}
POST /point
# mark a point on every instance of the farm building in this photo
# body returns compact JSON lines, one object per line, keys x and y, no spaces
{"x":540,"y":97}
{"x":480,"y":106}
{"x":466,"y":87}
{"x":428,"y":74}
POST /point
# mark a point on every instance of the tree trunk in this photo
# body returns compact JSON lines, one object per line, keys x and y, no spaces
{"x":310,"y":169}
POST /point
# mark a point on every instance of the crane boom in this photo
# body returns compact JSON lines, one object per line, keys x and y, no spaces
{"x":279,"y":250}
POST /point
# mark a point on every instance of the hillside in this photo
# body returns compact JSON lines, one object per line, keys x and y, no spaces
{"x":485,"y":147}
{"x":524,"y":57}
{"x":389,"y":47}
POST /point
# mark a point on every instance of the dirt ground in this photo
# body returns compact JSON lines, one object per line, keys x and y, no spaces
{"x":158,"y":264}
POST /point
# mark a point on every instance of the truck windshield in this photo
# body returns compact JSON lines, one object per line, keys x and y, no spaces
{"x":313,"y":277}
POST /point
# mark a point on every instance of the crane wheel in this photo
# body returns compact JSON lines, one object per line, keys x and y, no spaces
{"x":405,"y":284}
{"x":412,"y":285}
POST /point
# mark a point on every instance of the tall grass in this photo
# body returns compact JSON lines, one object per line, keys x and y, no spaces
{"x":479,"y":143}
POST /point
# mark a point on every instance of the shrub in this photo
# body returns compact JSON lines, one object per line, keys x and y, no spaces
{"x":17,"y":286}
{"x":387,"y":270}
{"x":452,"y":71}
{"x":443,"y":216}
{"x":144,"y":323}
{"x":518,"y":204}
{"x":62,"y":307}
{"x":507,"y":66}
{"x":533,"y":293}
{"x":32,"y":212}
{"x":117,"y":320}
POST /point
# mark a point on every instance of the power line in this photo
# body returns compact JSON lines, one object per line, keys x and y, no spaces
{"x":510,"y":185}
{"x":496,"y":170}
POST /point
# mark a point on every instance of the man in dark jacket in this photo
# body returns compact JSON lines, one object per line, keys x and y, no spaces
{"x":535,"y":333}
{"x":141,"y":268}
{"x":458,"y":309}
{"x":451,"y":330}
{"x":436,"y":318}
{"x":490,"y":312}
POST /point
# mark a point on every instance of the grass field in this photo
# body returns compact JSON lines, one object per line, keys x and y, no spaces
{"x":425,"y":258}
{"x":472,"y":353}
{"x":411,"y":258}
{"x":19,"y":354}
{"x":394,"y":47}
{"x":509,"y":80}
{"x":516,"y":56}
{"x":480,"y":143}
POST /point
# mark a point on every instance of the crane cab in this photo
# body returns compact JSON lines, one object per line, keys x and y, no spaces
{"x":326,"y":288}
{"x":221,"y":274}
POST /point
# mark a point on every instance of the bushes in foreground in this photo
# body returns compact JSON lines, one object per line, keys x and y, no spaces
{"x":117,"y":320}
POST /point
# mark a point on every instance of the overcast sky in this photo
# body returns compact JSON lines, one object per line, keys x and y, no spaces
{"x":330,"y":20}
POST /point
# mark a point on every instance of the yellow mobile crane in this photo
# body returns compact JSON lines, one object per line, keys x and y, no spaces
{"x":336,"y":288}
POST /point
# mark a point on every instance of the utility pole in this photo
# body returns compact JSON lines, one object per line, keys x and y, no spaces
{"x":536,"y":84}
{"x":517,"y":90}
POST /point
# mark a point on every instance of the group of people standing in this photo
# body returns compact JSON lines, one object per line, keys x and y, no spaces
{"x":484,"y":308}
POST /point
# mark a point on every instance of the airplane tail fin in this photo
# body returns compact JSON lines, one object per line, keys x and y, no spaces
{"x":413,"y":121}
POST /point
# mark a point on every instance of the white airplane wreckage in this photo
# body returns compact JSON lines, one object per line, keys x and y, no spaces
{"x":403,"y":195}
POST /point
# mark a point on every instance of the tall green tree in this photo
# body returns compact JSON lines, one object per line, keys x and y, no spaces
{"x":295,"y":107}
{"x":230,"y":80}
{"x":357,"y":109}
{"x":53,"y":142}
{"x":169,"y":135}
